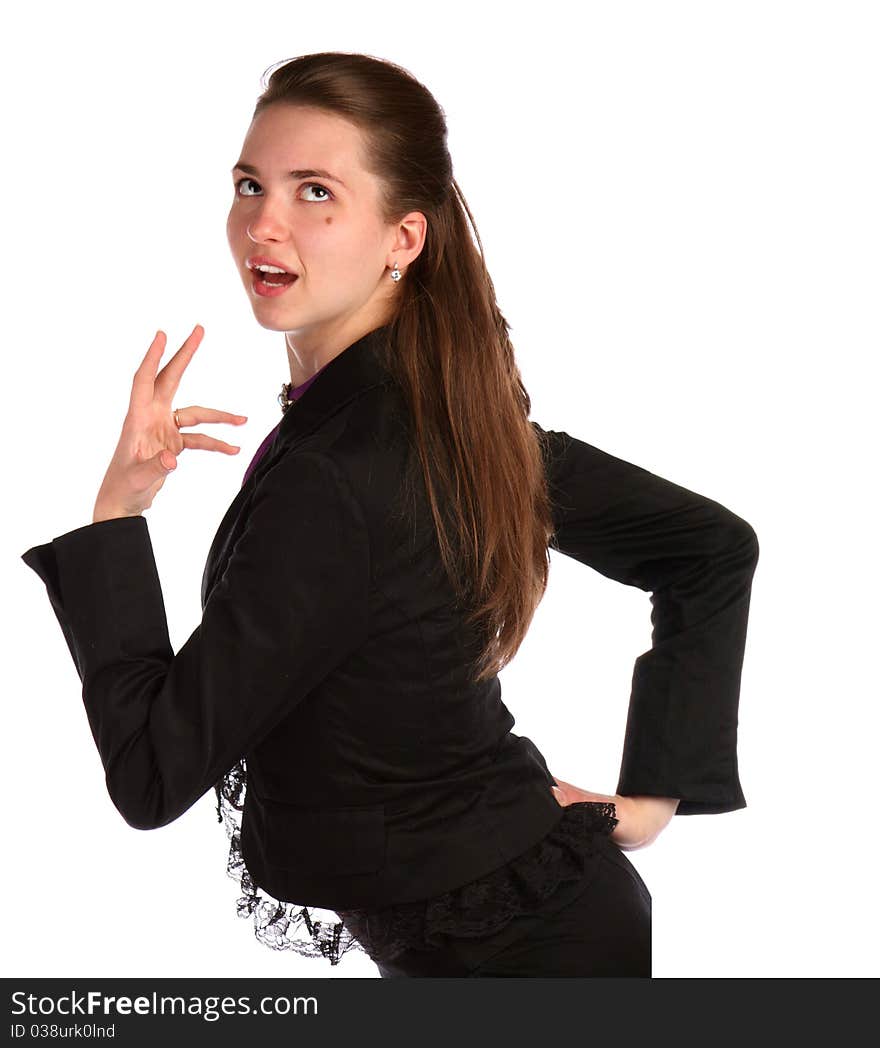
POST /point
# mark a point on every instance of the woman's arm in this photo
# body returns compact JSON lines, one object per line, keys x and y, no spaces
{"x":291,"y":604}
{"x":697,"y":559}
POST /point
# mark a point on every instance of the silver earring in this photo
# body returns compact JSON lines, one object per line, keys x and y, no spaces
{"x":395,"y":273}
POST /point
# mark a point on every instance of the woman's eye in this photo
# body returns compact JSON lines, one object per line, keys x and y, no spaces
{"x":308,"y":185}
{"x":314,"y":185}
{"x":239,"y":182}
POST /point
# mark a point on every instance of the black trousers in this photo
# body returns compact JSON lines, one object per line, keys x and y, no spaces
{"x":597,"y":926}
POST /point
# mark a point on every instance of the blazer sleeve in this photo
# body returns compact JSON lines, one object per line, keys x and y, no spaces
{"x":291,"y":604}
{"x":697,"y":560}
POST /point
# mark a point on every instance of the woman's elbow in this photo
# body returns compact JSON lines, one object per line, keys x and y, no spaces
{"x":142,"y":809}
{"x":740,"y":541}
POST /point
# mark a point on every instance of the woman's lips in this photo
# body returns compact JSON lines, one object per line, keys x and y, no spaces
{"x":262,"y":288}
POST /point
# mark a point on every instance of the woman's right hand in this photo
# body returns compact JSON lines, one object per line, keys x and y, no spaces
{"x":150,"y":440}
{"x":640,"y":818}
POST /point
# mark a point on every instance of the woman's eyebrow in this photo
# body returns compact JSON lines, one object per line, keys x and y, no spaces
{"x":310,"y":172}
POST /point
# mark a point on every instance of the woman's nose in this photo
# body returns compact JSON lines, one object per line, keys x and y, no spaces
{"x":268,"y":223}
{"x":265,"y":229}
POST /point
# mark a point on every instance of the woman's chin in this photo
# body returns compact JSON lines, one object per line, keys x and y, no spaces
{"x":270,"y":323}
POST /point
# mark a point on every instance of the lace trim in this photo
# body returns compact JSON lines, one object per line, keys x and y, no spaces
{"x":487,"y":905}
{"x":279,"y":925}
{"x":473,"y":910}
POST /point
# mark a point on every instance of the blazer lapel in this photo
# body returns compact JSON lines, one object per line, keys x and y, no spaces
{"x":350,"y":373}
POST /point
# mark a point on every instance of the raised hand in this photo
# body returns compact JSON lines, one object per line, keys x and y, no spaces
{"x":150,"y":441}
{"x":641,"y":818}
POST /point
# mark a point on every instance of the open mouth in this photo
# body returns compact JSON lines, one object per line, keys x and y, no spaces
{"x":272,"y":283}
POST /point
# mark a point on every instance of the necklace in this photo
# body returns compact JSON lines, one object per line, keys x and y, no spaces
{"x":284,"y":397}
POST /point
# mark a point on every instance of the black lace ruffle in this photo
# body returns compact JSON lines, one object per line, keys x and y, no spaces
{"x":486,"y":905}
{"x":477,"y":909}
{"x":307,"y":930}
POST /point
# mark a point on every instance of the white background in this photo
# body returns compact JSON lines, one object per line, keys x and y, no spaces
{"x":679,"y":208}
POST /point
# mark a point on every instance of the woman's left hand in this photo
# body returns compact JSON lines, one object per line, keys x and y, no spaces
{"x":640,"y":818}
{"x":150,"y":441}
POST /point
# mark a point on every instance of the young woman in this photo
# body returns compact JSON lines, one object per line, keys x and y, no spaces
{"x":379,"y":566}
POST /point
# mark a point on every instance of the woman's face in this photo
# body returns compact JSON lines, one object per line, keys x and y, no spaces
{"x":302,"y":198}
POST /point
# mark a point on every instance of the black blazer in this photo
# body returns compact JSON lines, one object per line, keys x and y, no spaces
{"x":331,"y":657}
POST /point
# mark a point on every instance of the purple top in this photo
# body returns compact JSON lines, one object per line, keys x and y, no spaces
{"x":294,"y":393}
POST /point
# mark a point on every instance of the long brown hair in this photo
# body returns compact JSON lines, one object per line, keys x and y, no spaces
{"x":481,"y":458}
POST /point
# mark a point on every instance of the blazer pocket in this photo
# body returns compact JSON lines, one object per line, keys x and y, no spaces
{"x":330,"y":840}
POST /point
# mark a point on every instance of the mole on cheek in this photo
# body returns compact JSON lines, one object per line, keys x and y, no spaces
{"x":328,"y":220}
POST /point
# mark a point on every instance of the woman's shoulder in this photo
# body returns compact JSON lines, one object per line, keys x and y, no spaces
{"x":367,"y":439}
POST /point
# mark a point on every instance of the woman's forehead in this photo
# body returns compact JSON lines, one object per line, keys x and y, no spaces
{"x":287,"y":141}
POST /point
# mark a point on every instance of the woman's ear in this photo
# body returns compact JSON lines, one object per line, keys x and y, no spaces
{"x":411,"y":232}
